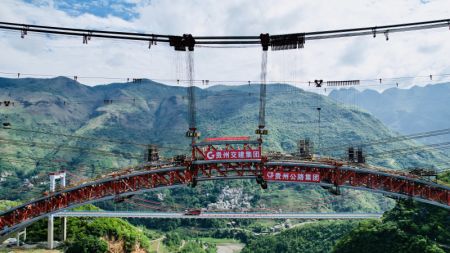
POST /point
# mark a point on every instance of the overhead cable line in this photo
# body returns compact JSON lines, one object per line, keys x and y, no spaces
{"x":89,"y":138}
{"x":91,"y":151}
{"x":276,"y":42}
{"x":44,"y":164}
{"x":42,"y":161}
{"x":442,"y":145}
{"x":394,"y":139}
{"x":392,"y":80}
{"x":208,"y":94}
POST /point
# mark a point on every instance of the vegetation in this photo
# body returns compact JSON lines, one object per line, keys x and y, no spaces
{"x":444,"y":177}
{"x":149,"y":112}
{"x":7,"y":204}
{"x":313,"y":237}
{"x":217,"y":240}
{"x":198,"y":247}
{"x":87,"y":244}
{"x":409,"y":227}
{"x":87,"y":234}
{"x":177,"y":241}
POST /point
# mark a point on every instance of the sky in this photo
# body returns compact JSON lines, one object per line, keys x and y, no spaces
{"x":418,"y":53}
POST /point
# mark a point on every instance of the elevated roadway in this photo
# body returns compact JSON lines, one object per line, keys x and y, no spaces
{"x":217,"y":215}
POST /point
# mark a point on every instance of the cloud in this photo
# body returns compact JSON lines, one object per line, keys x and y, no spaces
{"x":406,"y":54}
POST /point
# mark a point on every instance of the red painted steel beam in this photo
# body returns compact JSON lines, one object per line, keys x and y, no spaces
{"x":139,"y":181}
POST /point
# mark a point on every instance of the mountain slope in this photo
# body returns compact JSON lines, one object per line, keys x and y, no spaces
{"x":412,"y":110}
{"x":409,"y":227}
{"x":150,"y":112}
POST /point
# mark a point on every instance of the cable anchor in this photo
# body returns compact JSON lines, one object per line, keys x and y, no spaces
{"x":24,"y":31}
{"x":180,"y":43}
{"x":87,"y":37}
{"x":152,"y":41}
{"x":265,"y":41}
{"x":318,"y":83}
{"x":386,"y":34}
{"x":287,"y":41}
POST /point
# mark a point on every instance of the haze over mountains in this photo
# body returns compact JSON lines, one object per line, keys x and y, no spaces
{"x":406,"y":111}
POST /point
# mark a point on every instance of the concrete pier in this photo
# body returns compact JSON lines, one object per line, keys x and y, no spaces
{"x":50,"y":232}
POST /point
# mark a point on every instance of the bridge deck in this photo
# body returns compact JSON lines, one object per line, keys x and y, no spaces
{"x":221,"y":215}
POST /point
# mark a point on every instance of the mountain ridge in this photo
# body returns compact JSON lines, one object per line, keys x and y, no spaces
{"x":406,"y":111}
{"x":153,"y":113}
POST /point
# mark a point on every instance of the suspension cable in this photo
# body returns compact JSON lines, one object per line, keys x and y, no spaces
{"x":277,"y":42}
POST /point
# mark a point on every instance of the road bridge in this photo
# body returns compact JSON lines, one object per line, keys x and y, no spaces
{"x":217,"y":215}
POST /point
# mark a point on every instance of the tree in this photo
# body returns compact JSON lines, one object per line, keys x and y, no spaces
{"x":87,"y":244}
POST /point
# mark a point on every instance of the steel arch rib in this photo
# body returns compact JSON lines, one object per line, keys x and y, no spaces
{"x":139,"y":182}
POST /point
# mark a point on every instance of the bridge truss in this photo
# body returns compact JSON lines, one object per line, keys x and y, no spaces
{"x":152,"y":177}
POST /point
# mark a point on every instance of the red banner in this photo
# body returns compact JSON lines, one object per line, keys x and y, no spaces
{"x":229,"y":138}
{"x":233,"y":154}
{"x":291,"y":176}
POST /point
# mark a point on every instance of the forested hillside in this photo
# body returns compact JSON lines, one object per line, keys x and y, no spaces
{"x":409,"y":227}
{"x":311,"y":237}
{"x":61,"y":124}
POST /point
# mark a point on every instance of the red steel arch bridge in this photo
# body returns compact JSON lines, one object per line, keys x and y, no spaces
{"x":238,"y":160}
{"x":227,"y":158}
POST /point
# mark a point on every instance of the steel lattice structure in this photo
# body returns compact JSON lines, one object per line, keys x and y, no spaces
{"x":332,"y":174}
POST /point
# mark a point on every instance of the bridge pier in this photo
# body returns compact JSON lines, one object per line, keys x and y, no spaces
{"x":50,"y":232}
{"x":24,"y":233}
{"x":61,"y":176}
{"x":63,"y":229}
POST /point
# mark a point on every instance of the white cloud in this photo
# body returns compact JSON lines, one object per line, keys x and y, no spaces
{"x":406,"y":54}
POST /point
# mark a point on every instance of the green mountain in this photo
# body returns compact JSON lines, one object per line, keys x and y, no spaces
{"x":413,"y":110}
{"x":49,"y":116}
{"x":312,"y":237}
{"x":409,"y":227}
